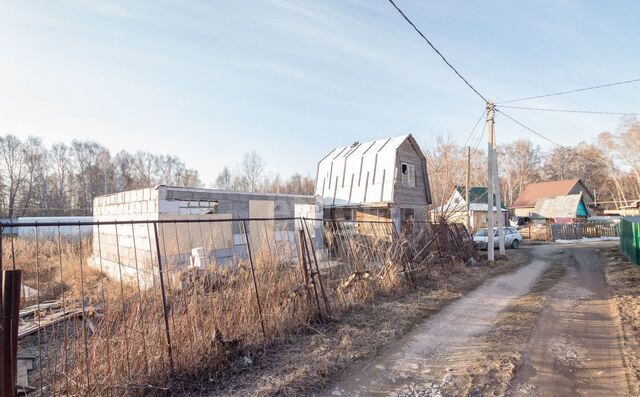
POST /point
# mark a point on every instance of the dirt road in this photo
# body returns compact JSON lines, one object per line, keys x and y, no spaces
{"x":574,"y":348}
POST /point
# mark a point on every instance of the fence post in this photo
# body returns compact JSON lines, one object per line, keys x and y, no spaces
{"x":9,"y":314}
{"x":165,"y":307}
{"x":253,"y":274}
{"x":315,"y":260}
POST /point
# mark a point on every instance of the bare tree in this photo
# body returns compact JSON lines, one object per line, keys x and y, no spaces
{"x":519,"y":165}
{"x":35,"y":160}
{"x":12,"y":156}
{"x":252,"y":170}
{"x":60,"y":163}
{"x":224,"y":178}
{"x":447,"y":167}
{"x":144,"y":164}
{"x":124,"y":164}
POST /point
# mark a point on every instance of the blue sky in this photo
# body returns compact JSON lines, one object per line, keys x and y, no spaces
{"x":292,"y":79}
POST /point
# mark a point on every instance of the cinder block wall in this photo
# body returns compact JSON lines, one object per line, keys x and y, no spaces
{"x":130,"y":250}
{"x":126,"y":249}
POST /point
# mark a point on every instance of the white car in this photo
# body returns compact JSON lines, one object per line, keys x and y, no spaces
{"x":512,"y":238}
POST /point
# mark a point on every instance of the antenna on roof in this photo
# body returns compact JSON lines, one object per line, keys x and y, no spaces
{"x":356,"y":143}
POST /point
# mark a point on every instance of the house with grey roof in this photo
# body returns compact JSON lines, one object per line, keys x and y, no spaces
{"x":561,"y":209}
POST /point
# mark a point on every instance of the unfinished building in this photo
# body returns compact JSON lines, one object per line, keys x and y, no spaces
{"x":384,"y":179}
{"x":130,"y":249}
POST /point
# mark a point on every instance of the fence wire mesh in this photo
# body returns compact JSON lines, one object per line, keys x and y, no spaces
{"x":116,"y":308}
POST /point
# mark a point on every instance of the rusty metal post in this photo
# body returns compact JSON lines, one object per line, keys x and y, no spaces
{"x":305,"y":251}
{"x":253,"y":274}
{"x":303,"y":262}
{"x":165,"y":307}
{"x":9,"y":314}
{"x":303,"y":267}
{"x":315,"y":260}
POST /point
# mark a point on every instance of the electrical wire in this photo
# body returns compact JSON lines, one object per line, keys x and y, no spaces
{"x":571,"y":110}
{"x":481,"y":136}
{"x":531,"y":130}
{"x":571,"y":91}
{"x":436,"y":50}
{"x":474,"y":129}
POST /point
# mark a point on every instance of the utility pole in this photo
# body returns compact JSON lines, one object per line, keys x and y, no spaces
{"x":496,"y":175}
{"x":490,"y":181}
{"x":467,"y":195}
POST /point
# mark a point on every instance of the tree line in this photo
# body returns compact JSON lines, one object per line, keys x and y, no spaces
{"x":251,"y":176}
{"x":609,"y":166}
{"x":63,"y":179}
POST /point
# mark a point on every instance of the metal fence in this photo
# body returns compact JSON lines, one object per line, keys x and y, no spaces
{"x":135,"y":305}
{"x":630,"y":238}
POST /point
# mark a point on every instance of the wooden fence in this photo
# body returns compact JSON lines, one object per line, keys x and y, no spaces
{"x":536,"y":232}
{"x":589,"y":229}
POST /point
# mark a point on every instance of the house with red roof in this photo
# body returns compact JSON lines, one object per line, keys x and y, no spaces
{"x":526,"y":203}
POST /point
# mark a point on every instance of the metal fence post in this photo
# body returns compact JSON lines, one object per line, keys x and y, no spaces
{"x":253,"y":274}
{"x":315,"y":260}
{"x":9,"y":314}
{"x":165,"y":307}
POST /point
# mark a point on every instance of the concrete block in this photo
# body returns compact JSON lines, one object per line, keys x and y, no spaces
{"x":161,"y":193}
{"x":169,"y":207}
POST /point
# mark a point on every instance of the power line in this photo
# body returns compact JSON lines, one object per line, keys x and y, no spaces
{"x":481,"y":136}
{"x":474,"y":128}
{"x":436,"y":50}
{"x":571,"y":91}
{"x":571,"y":110}
{"x":532,"y":130}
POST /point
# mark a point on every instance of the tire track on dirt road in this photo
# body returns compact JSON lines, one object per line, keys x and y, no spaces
{"x":575,"y":349}
{"x":426,"y":359}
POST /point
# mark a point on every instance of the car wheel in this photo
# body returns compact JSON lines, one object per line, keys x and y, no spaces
{"x":515,"y":244}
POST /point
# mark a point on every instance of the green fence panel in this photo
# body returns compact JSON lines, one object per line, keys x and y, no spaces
{"x":630,"y":237}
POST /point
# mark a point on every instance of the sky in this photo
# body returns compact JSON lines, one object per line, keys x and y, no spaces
{"x":292,"y":79}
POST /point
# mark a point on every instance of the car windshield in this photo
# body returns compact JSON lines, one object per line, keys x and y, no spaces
{"x":482,"y":233}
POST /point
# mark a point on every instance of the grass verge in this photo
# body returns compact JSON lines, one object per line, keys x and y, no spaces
{"x":623,"y":278}
{"x":307,"y":361}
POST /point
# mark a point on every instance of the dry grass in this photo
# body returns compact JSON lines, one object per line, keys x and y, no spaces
{"x":218,"y":332}
{"x":54,"y":268}
{"x":307,"y":361}
{"x":623,"y":278}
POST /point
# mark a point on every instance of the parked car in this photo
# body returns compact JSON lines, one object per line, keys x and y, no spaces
{"x":512,"y":238}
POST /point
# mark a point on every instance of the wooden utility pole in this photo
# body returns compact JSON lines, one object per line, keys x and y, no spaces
{"x":467,"y":195}
{"x":490,"y":181}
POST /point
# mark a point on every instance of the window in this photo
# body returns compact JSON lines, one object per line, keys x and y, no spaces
{"x":408,"y":172}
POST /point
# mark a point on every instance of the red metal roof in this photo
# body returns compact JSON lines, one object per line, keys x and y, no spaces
{"x":530,"y":195}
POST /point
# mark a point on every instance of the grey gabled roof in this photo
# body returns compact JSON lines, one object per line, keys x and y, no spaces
{"x":360,"y":173}
{"x":557,"y":207}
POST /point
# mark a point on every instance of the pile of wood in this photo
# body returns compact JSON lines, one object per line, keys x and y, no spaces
{"x":45,"y":314}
